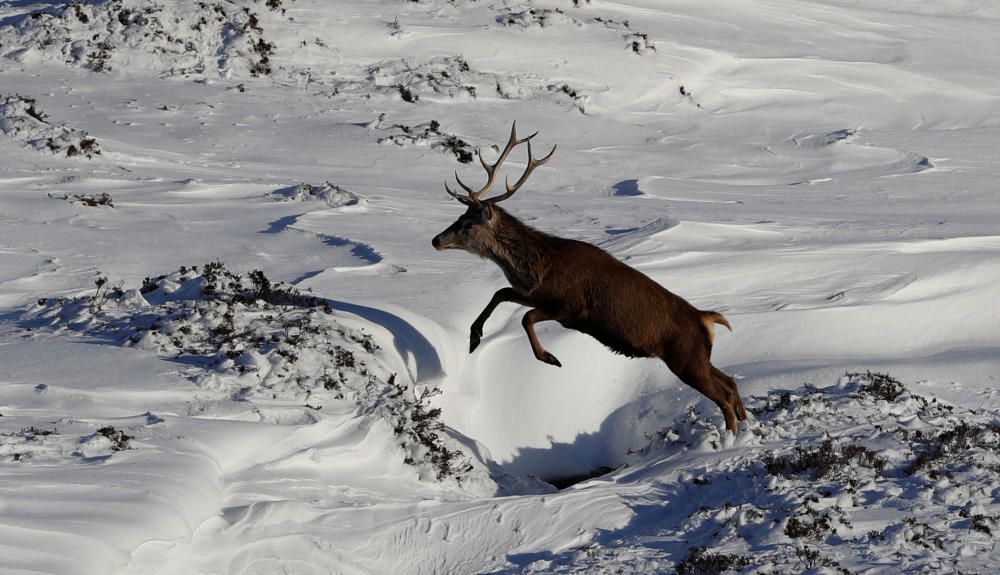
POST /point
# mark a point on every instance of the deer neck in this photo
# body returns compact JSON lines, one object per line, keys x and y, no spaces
{"x":520,"y":251}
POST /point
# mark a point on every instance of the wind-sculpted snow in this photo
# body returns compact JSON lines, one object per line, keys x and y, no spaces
{"x":822,"y":173}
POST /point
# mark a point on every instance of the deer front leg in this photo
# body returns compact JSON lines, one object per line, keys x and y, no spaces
{"x":530,"y":319}
{"x":503,"y":295}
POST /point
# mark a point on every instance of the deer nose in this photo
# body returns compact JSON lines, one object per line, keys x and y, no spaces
{"x":436,"y":242}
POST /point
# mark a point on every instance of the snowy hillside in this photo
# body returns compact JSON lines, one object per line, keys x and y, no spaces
{"x":228,"y":346}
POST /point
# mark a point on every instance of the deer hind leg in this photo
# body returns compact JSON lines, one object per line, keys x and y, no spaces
{"x":700,"y":376}
{"x":501,"y":296}
{"x":730,"y":383}
{"x":530,"y":319}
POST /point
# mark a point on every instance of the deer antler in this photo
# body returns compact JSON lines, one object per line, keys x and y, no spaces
{"x":532,"y":164}
{"x":475,"y":197}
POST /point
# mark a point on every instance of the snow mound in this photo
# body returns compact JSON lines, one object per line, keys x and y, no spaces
{"x":169,"y":38}
{"x":332,"y":194}
{"x":286,"y":352}
{"x":71,"y":441}
{"x":21,"y":119}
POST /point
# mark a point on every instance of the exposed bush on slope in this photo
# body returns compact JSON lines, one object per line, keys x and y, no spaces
{"x":957,"y":446}
{"x":859,"y":469}
{"x":700,"y":561}
{"x":878,"y":385}
{"x":823,"y":460}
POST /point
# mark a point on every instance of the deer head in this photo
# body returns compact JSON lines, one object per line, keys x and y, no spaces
{"x":472,"y":230}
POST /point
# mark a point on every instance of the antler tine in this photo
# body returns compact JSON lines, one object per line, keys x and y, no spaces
{"x":532,"y":164}
{"x":463,"y":199}
{"x":491,"y":170}
{"x":467,"y":189}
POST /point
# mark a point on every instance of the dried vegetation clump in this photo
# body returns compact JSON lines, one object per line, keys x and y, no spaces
{"x":823,"y":460}
{"x":120,"y":441}
{"x":958,"y":445}
{"x":430,"y":135}
{"x":89,"y":200}
{"x":701,"y":561}
{"x":878,"y":385}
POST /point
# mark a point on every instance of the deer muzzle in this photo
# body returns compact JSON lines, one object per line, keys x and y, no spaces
{"x":439,"y":243}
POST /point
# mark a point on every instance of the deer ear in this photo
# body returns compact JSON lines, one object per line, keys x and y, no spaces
{"x":487,"y":213}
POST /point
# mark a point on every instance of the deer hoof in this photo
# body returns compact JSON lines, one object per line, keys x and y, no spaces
{"x":550,"y":359}
{"x":474,"y":342}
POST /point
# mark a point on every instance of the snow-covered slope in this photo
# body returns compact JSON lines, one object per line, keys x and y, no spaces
{"x":824,"y":173}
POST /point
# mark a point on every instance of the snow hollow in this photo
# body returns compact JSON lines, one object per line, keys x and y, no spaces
{"x":228,"y":346}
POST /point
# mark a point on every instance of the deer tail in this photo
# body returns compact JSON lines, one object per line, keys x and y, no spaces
{"x":709,"y":319}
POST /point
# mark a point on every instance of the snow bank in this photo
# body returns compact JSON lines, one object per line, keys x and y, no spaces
{"x":823,"y":174}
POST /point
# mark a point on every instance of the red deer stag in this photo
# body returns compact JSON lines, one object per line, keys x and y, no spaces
{"x":584,"y":288}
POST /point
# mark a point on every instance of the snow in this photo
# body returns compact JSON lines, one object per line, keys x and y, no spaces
{"x":821,"y":172}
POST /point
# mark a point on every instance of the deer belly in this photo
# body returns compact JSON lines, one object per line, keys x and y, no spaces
{"x":612,"y":340}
